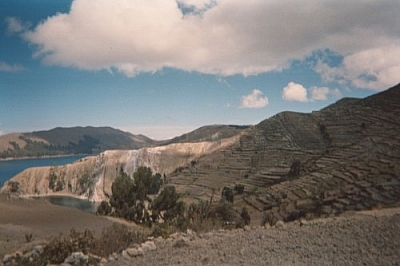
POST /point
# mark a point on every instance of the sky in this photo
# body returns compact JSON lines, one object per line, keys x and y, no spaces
{"x":162,"y":68}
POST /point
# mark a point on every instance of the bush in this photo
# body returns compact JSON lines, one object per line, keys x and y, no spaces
{"x":295,"y":169}
{"x":14,"y":186}
{"x":244,"y":214}
{"x":129,"y":196}
{"x":239,"y":188}
{"x":223,"y":212}
{"x":114,"y":238}
{"x":166,"y":206}
{"x":104,"y":208}
{"x":227,"y":194}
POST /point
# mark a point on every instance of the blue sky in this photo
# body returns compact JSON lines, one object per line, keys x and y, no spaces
{"x":165,"y":67}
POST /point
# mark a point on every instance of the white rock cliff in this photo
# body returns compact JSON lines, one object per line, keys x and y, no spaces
{"x":91,"y":177}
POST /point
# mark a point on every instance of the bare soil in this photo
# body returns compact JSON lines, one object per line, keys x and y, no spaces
{"x":360,"y":238}
{"x":367,"y":238}
{"x":20,"y":218}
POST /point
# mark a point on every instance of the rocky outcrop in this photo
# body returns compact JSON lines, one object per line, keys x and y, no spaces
{"x":92,"y":177}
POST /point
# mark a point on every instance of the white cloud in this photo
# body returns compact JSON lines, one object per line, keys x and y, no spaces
{"x":15,"y":25}
{"x":229,"y":36}
{"x":294,"y":92}
{"x":319,"y":93}
{"x":374,"y":69}
{"x":4,"y":67}
{"x":297,"y":92}
{"x":254,"y":100}
{"x":336,"y":93}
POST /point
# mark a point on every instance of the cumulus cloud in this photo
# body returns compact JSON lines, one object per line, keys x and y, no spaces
{"x":254,"y":100}
{"x":319,"y":93}
{"x":297,"y":92}
{"x":4,"y":67}
{"x":227,"y":37}
{"x":294,"y":92}
{"x":374,"y":69}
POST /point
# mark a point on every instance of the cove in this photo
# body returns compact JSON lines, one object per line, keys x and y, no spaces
{"x":70,"y":202}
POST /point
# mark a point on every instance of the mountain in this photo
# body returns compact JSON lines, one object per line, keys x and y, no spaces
{"x":75,"y":140}
{"x":93,"y":140}
{"x":208,"y":133}
{"x":344,"y":157}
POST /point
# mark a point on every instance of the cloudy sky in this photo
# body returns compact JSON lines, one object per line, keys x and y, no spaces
{"x":164,"y":67}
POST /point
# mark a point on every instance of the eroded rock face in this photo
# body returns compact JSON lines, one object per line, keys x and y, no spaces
{"x":92,"y":177}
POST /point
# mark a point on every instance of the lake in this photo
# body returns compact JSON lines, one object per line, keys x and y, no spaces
{"x":80,"y":204}
{"x":10,"y":168}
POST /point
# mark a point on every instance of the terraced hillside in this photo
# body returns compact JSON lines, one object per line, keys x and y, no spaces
{"x":344,"y":157}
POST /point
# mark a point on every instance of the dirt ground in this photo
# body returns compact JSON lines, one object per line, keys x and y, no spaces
{"x":20,"y":218}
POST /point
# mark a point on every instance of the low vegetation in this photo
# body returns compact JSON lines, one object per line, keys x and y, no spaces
{"x":112,"y":239}
{"x":146,"y":200}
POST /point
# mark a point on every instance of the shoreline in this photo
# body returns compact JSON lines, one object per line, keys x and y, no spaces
{"x":43,"y":157}
{"x":32,"y":196}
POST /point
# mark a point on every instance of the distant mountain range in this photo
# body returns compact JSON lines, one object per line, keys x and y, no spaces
{"x":93,"y":140}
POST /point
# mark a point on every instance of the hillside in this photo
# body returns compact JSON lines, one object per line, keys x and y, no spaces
{"x":75,"y":140}
{"x":345,"y":157}
{"x":342,"y":158}
{"x":93,"y":140}
{"x":208,"y":133}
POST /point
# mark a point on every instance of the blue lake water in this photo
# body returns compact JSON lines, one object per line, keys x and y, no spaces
{"x":10,"y":168}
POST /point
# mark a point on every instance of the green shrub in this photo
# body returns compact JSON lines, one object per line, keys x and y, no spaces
{"x":227,"y":194}
{"x":14,"y":186}
{"x":114,"y":238}
{"x":244,"y":214}
{"x":104,"y":208}
{"x":239,"y":188}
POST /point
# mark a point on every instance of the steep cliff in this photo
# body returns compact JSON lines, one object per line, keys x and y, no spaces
{"x":92,"y":177}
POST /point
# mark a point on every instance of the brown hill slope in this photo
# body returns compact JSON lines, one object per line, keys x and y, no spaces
{"x":344,"y":157}
{"x":64,"y":141}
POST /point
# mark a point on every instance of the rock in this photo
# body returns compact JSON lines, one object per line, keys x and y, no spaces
{"x":191,"y":234}
{"x":134,"y":252}
{"x":18,"y":253}
{"x":181,"y":242}
{"x":7,"y":258}
{"x":279,"y":224}
{"x":303,"y":222}
{"x":174,"y":235}
{"x":77,"y":259}
{"x":149,"y":246}
{"x":247,"y":228}
{"x":103,"y":262}
{"x":125,"y":254}
{"x":39,"y":249}
{"x":28,"y":254}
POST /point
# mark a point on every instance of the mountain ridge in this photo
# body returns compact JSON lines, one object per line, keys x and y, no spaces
{"x":94,"y":140}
